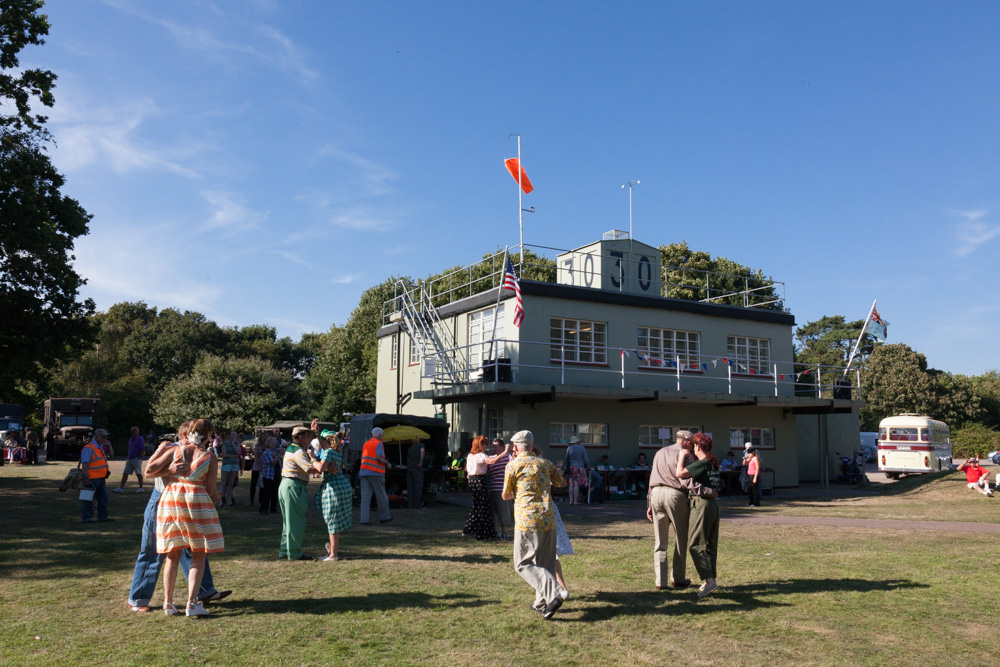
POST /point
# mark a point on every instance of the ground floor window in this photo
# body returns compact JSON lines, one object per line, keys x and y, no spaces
{"x":591,"y":435}
{"x":761,"y":438}
{"x":654,"y":436}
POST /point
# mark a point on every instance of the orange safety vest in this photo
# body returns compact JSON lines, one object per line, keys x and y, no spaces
{"x":98,"y":467}
{"x":368,"y":460}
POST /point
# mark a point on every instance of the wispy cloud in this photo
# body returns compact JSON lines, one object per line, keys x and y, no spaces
{"x":974,"y":233}
{"x":367,"y":178}
{"x":345,"y":280}
{"x":294,"y":258}
{"x":256,"y":39}
{"x":230,"y":213}
{"x":112,"y":136}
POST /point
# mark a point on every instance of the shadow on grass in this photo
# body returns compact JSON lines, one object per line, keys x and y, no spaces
{"x":750,"y":596}
{"x":472,"y":559}
{"x":355,"y":603}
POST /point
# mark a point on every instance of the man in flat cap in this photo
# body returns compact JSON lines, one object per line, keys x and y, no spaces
{"x":528,"y":481}
{"x":667,"y":505}
{"x":293,"y":499}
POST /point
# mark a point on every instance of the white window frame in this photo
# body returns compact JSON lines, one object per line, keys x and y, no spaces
{"x":649,"y":434}
{"x":592,"y":435}
{"x":414,"y":351}
{"x":481,"y":333}
{"x":760,"y":437}
{"x":494,"y":423}
{"x":584,"y":341}
{"x":669,"y":344}
{"x":394,"y":360}
{"x":752,"y":355}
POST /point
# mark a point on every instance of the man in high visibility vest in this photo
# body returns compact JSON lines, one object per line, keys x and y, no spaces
{"x":372,"y":478}
{"x":94,"y":464}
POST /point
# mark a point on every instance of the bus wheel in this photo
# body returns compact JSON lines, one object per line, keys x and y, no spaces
{"x":892,"y":475}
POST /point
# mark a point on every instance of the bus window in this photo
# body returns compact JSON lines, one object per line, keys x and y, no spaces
{"x":903,"y":433}
{"x":924,"y":437}
{"x":881,"y":433}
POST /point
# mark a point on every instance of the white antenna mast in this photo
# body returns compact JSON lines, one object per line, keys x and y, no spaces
{"x":629,"y":185}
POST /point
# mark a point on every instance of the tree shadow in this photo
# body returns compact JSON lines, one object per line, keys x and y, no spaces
{"x":472,"y":559}
{"x":611,"y":604}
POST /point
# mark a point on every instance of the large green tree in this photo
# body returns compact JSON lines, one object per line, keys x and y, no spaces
{"x":829,"y":340}
{"x":696,"y":275}
{"x":42,"y":319}
{"x":233,"y":393}
{"x":343,"y":377}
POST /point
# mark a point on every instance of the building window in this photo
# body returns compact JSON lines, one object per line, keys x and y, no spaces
{"x":395,"y":351}
{"x":494,"y":427}
{"x":649,"y":434}
{"x":481,"y":334}
{"x":752,"y":355}
{"x":761,"y":438}
{"x":414,"y":351}
{"x":583,"y":342}
{"x":591,"y":435}
{"x":667,"y":344}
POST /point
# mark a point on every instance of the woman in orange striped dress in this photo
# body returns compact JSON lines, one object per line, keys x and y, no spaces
{"x":186,"y":516}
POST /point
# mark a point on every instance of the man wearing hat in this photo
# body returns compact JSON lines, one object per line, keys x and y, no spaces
{"x":667,"y":505}
{"x":293,"y":499}
{"x":976,"y":476}
{"x":94,"y":465}
{"x":528,"y":481}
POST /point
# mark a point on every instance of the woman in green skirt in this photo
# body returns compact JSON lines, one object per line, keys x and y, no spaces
{"x":334,"y":496}
{"x":703,"y":524}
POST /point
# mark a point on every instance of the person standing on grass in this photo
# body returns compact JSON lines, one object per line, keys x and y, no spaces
{"x":480,"y":521}
{"x":94,"y":463}
{"x":133,"y":460}
{"x":415,"y":475}
{"x":186,"y":516}
{"x":232,"y":467}
{"x":268,"y":484}
{"x":502,"y":509}
{"x":703,"y":531}
{"x":753,"y":477}
{"x":372,"y":479}
{"x":148,"y":563}
{"x":528,"y":481}
{"x":579,"y":468}
{"x":293,"y":498}
{"x":258,"y":450}
{"x":334,"y":496}
{"x":667,"y":505}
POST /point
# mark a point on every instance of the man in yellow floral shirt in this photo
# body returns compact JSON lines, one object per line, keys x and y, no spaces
{"x":528,"y":481}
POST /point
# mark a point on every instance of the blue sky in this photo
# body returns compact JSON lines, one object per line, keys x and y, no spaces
{"x":265,"y":161}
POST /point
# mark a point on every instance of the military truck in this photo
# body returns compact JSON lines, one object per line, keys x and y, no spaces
{"x":11,"y":419}
{"x":71,"y":421}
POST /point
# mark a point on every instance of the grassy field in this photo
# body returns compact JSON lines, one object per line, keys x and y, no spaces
{"x":415,"y":592}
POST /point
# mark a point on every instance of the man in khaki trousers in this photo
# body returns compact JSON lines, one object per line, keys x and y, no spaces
{"x":528,"y":480}
{"x":667,"y":505}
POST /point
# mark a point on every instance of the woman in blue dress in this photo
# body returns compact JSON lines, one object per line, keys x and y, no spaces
{"x":334,"y":496}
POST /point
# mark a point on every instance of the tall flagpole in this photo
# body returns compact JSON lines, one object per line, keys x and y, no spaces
{"x":496,"y":309}
{"x":629,"y":185}
{"x":864,"y":329}
{"x":520,"y":209}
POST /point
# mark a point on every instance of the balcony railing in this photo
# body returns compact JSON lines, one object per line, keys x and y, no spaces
{"x":531,"y":362}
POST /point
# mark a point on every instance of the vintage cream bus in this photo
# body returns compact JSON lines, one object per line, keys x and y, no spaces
{"x":911,"y":443}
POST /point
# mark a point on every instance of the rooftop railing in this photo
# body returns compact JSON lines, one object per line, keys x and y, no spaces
{"x":517,"y":361}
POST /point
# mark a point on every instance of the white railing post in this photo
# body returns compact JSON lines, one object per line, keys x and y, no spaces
{"x":775,"y":379}
{"x":819,"y":384}
{"x":678,"y":359}
{"x":562,"y":363}
{"x":729,"y":374}
{"x":622,"y":355}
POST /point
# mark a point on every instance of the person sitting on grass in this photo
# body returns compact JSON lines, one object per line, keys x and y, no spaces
{"x":978,"y":478}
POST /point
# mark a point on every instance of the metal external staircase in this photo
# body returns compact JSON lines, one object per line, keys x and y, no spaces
{"x":421,"y":321}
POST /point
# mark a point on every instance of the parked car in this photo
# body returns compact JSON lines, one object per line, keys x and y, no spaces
{"x":994,"y":456}
{"x":870,"y":452}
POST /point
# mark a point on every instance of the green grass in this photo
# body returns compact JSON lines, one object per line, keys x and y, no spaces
{"x":415,"y":592}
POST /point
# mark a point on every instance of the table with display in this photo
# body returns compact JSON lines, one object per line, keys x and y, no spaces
{"x":639,"y":477}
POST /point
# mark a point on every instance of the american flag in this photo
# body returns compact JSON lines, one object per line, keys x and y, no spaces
{"x":510,"y":282}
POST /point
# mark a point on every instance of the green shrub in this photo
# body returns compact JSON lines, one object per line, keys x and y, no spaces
{"x":974,"y":440}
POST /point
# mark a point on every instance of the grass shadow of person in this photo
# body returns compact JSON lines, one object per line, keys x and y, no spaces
{"x":392,"y":600}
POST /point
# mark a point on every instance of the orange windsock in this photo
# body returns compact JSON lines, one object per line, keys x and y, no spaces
{"x":513,"y":166}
